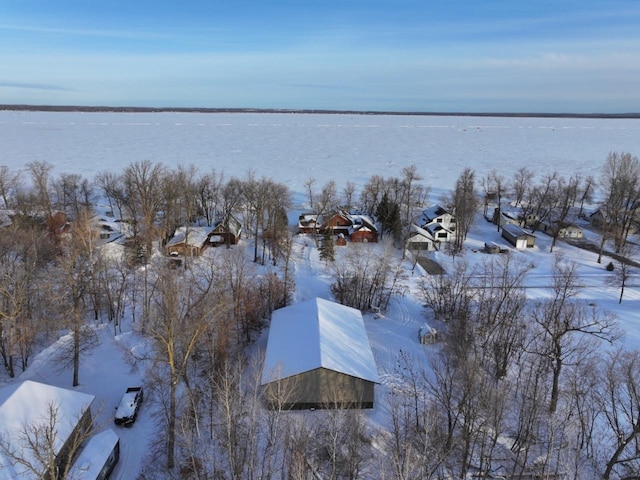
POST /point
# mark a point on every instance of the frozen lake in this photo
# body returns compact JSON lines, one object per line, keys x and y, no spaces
{"x":293,"y":147}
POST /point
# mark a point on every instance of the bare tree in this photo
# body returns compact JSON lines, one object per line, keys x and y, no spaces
{"x":209,"y":188}
{"x":411,"y":198}
{"x":73,"y":192}
{"x":565,"y":324}
{"x":500,"y":305}
{"x":542,"y":200}
{"x":520,"y":184}
{"x":18,"y":280}
{"x":586,"y":192}
{"x":143,"y":182}
{"x":567,"y":194}
{"x":447,"y":294}
{"x":465,"y":205}
{"x":366,"y":281}
{"x":183,"y":311}
{"x":625,"y":270}
{"x":324,"y":203}
{"x":348,"y":192}
{"x":344,"y":447}
{"x":41,"y":178}
{"x":232,"y":436}
{"x":620,"y":180}
{"x":275,"y":232}
{"x":371,"y":194}
{"x":76,"y":279}
{"x":115,"y":282}
{"x":494,"y":186}
{"x":113,"y":188}
{"x":620,"y":402}
{"x":9,"y":183}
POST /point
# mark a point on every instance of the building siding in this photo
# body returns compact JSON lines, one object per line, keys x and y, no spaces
{"x":319,"y":388}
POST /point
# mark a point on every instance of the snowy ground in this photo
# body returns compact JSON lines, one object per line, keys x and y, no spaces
{"x":291,"y":148}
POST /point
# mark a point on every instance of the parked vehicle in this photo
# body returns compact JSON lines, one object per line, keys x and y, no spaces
{"x":127,"y":411}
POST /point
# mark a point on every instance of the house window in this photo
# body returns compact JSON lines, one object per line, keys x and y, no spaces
{"x":442,"y":235}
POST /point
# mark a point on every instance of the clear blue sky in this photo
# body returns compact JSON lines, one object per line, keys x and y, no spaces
{"x":401,"y":55}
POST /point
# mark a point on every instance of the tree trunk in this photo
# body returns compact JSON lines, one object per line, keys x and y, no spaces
{"x":616,"y":455}
{"x":171,"y":434}
{"x":553,"y":404}
{"x":76,"y":355}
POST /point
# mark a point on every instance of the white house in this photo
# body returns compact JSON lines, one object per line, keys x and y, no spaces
{"x":420,"y":239}
{"x":438,"y":221}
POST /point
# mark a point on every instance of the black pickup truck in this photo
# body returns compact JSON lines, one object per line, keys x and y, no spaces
{"x":127,"y":411}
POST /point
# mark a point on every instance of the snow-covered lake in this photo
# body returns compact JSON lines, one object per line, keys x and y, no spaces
{"x":292,"y":148}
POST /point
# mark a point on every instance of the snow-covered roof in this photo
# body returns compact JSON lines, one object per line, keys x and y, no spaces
{"x":420,"y":234}
{"x":429,"y":214}
{"x":434,"y":228}
{"x":315,"y":334}
{"x":515,"y":230}
{"x":27,"y":403}
{"x":426,"y":329}
{"x":363,"y":221}
{"x":94,"y":455}
{"x":195,"y":236}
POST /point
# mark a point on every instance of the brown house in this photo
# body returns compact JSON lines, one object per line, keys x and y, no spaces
{"x":226,"y":232}
{"x":338,"y":223}
{"x":189,"y":241}
{"x":357,"y":228}
{"x":362,"y":229}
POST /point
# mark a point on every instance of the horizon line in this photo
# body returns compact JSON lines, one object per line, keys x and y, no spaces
{"x":134,"y":109}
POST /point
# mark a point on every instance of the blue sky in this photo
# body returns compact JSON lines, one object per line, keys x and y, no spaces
{"x":393,"y":55}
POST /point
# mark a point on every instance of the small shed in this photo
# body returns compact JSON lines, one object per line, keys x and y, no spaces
{"x":318,"y":356}
{"x":427,"y":334}
{"x":517,"y":237}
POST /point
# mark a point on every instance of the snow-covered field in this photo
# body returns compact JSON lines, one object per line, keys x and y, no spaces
{"x":291,"y":148}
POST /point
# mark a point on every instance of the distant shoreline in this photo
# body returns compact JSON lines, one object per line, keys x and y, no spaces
{"x":76,"y":108}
